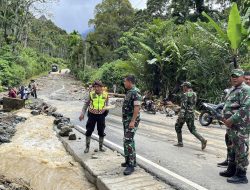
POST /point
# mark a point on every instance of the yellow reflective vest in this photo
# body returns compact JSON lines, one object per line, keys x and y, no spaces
{"x":98,"y":102}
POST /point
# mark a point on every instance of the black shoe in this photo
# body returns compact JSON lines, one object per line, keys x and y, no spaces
{"x":239,"y":177}
{"x":225,"y":163}
{"x":203,"y":144}
{"x":231,"y":170}
{"x":124,"y":164}
{"x":179,"y":144}
{"x":129,"y":170}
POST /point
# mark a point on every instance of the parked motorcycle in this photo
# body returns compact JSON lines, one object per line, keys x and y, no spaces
{"x":149,"y":106}
{"x":210,"y":112}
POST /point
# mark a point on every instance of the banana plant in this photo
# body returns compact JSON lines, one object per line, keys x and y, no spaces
{"x":236,"y":35}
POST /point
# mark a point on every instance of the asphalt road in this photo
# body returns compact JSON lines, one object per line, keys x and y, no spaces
{"x":154,"y":140}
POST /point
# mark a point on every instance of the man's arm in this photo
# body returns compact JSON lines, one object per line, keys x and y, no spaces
{"x":243,"y":112}
{"x":137,"y":105}
{"x":244,"y":109}
{"x":85,"y":107}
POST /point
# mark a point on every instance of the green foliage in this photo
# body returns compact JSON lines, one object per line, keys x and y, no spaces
{"x":28,"y":46}
{"x":234,"y":32}
{"x":112,"y":18}
{"x":113,"y":73}
{"x":14,"y":69}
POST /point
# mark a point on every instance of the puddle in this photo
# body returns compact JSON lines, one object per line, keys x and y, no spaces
{"x":38,"y":157}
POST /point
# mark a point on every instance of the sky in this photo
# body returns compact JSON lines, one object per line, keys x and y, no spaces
{"x":74,"y":14}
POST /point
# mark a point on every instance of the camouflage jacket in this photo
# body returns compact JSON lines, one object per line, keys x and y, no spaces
{"x":188,"y":102}
{"x":237,"y":106}
{"x":132,"y":98}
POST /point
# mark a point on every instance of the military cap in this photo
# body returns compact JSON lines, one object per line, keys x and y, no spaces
{"x":187,"y":84}
{"x":237,"y":72}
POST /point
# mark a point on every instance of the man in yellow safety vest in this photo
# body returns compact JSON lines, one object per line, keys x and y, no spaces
{"x":96,"y":102}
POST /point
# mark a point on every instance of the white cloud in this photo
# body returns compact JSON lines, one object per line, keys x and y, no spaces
{"x":139,"y":4}
{"x":75,"y":14}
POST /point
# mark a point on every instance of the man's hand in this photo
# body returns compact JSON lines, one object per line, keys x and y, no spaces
{"x":81,"y":117}
{"x":132,"y":125}
{"x":227,"y":122}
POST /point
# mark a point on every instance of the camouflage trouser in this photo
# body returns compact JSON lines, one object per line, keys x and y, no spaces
{"x":129,"y":143}
{"x":228,"y":143}
{"x":239,"y":149}
{"x":189,"y":119}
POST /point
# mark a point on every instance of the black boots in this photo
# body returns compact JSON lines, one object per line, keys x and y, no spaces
{"x":125,"y":164}
{"x":223,"y":164}
{"x":239,"y":177}
{"x":101,"y":139}
{"x":203,"y":144}
{"x":87,"y":144}
{"x":179,"y":138}
{"x":231,"y":169}
{"x":129,"y":170}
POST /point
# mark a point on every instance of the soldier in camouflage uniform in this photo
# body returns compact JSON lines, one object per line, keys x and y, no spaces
{"x":236,"y":118}
{"x":247,"y":77}
{"x":188,"y":102}
{"x":130,"y":119}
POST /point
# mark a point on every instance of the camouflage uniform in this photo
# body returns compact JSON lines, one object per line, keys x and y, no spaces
{"x":188,"y":102}
{"x":237,"y":107}
{"x":133,"y":98}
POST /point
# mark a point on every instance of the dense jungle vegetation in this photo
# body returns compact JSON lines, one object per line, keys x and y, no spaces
{"x":165,"y":44}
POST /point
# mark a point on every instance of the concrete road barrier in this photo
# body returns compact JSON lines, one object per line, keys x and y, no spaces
{"x":105,"y":171}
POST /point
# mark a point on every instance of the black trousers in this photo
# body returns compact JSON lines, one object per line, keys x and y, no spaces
{"x":92,"y":120}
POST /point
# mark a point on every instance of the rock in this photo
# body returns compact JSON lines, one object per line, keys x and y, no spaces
{"x":65,"y":130}
{"x":2,"y":114}
{"x":94,"y":156}
{"x":2,"y":187}
{"x":35,"y":112}
{"x":60,"y":125}
{"x":64,"y":120}
{"x":56,"y":115}
{"x":49,"y":114}
{"x":51,"y":109}
{"x":20,"y":119}
{"x":57,"y":121}
{"x":10,"y":104}
{"x":4,"y":139}
{"x":72,"y":136}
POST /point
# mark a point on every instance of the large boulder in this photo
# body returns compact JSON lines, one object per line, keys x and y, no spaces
{"x":10,"y":104}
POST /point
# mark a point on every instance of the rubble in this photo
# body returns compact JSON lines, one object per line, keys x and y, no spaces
{"x":14,"y":184}
{"x":8,"y":122}
{"x":39,"y":107}
{"x":65,"y":130}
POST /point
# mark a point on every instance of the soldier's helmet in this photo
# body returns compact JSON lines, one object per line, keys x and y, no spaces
{"x":187,"y":84}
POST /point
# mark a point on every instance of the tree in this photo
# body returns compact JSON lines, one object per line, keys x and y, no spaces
{"x":112,"y":18}
{"x":236,"y":34}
